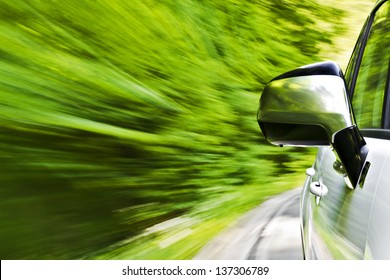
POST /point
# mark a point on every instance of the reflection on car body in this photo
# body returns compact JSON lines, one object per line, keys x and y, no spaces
{"x":345,"y":202}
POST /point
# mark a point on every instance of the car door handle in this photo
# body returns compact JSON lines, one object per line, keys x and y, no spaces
{"x":318,"y":189}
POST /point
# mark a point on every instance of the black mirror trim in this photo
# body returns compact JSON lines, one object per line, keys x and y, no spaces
{"x":352,"y":151}
{"x":294,"y":134}
{"x":323,"y":68}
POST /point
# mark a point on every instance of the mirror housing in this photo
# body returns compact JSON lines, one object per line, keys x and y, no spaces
{"x":309,"y":106}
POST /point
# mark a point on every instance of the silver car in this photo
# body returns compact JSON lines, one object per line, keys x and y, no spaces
{"x":345,"y":203}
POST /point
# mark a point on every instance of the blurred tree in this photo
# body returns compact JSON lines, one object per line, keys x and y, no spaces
{"x":119,"y":115}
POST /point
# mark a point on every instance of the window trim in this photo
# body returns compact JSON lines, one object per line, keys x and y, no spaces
{"x":364,"y":38}
{"x":365,"y":33}
{"x":377,"y":133}
{"x":386,"y":102}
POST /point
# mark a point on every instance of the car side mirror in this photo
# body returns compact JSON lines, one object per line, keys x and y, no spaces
{"x":309,"y":106}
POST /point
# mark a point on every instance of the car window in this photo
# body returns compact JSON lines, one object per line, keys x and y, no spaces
{"x":368,"y":96}
{"x":350,"y":72}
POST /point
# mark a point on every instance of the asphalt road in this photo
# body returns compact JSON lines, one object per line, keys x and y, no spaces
{"x":269,"y":232}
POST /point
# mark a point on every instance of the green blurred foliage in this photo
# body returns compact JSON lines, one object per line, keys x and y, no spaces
{"x":119,"y":116}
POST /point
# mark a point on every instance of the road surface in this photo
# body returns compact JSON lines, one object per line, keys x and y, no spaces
{"x":269,"y":232}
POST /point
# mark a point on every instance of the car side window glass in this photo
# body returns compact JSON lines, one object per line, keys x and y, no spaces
{"x":350,"y":72}
{"x":368,"y":96}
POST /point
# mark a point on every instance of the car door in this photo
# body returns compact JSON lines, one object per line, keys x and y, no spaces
{"x":350,"y":223}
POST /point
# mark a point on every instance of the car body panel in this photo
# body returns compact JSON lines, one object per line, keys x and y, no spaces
{"x":378,"y":235}
{"x":339,"y":226}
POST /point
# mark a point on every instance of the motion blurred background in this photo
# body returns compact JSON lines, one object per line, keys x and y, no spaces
{"x":128,"y":128}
